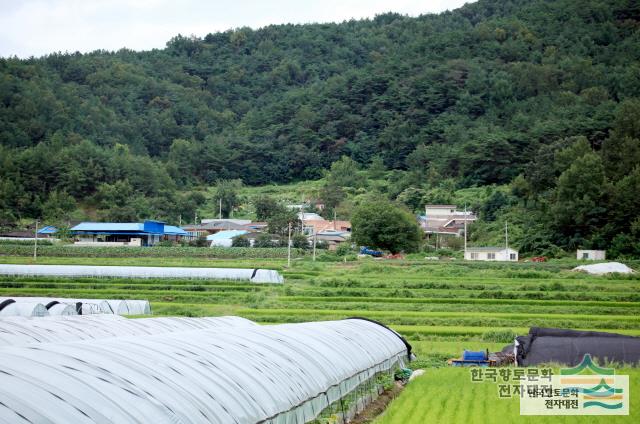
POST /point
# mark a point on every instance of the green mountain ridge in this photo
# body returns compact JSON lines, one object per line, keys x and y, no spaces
{"x":487,"y":94}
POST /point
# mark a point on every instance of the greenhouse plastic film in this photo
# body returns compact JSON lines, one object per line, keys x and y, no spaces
{"x":18,"y":331}
{"x":252,"y":275}
{"x":94,"y":306}
{"x":276,"y":374}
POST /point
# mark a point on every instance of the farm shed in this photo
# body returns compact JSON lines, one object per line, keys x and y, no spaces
{"x":591,"y":255}
{"x":254,"y":374}
{"x":490,"y":254}
{"x":147,"y":233}
{"x":240,"y":274}
{"x":18,"y":331}
{"x":546,"y":345}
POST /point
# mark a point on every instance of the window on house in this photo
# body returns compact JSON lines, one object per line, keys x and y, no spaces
{"x":474,"y":256}
{"x":585,"y":255}
{"x":491,"y":256}
{"x":512,"y":256}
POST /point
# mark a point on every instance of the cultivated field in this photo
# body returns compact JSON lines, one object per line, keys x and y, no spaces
{"x":447,"y":395}
{"x":441,"y":307}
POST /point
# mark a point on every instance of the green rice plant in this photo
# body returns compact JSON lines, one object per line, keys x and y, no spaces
{"x":447,"y":395}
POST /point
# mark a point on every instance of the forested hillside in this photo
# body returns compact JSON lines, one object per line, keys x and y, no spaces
{"x":542,"y":96}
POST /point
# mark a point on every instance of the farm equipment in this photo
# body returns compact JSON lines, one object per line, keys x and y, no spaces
{"x":483,"y":359}
{"x":473,"y":359}
{"x":375,"y":253}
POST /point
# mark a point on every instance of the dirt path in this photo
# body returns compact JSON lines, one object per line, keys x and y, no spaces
{"x":378,"y":406}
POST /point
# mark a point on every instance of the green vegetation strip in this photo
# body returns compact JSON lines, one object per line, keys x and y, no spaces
{"x":444,"y":330}
{"x":459,"y":300}
{"x":129,"y":252}
{"x":420,"y":314}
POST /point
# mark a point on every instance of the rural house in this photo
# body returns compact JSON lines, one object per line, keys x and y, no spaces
{"x":148,"y":233}
{"x":490,"y":254}
{"x":445,"y":220}
{"x":591,"y":255}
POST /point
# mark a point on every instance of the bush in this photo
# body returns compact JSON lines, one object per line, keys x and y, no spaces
{"x":263,"y":240}
{"x":299,"y":241}
{"x":240,"y":241}
{"x":41,"y":242}
{"x":200,"y":242}
{"x":344,"y":249}
{"x":321,"y":244}
{"x":147,"y":252}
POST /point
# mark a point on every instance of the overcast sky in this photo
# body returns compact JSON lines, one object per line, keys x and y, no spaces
{"x":37,"y":27}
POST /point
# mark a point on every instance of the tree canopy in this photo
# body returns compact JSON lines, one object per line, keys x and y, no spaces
{"x":489,"y":94}
{"x":383,"y":225}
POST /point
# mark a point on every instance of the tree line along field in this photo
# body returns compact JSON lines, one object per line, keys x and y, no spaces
{"x":441,"y":307}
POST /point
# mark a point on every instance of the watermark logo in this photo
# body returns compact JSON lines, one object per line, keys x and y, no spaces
{"x":586,"y":389}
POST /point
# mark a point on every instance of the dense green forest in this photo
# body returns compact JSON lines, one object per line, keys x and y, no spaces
{"x":539,"y":101}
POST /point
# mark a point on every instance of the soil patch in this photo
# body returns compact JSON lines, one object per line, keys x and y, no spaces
{"x":378,"y":406}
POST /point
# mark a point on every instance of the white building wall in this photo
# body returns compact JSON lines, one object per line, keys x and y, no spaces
{"x":439,"y":211}
{"x":508,"y":255}
{"x":591,"y":255}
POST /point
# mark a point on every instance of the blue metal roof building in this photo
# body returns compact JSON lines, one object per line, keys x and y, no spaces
{"x":147,"y":233}
{"x":49,"y":229}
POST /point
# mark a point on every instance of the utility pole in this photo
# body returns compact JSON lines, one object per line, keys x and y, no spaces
{"x":334,"y":219}
{"x":35,"y":244}
{"x":195,"y":219}
{"x":314,"y":243}
{"x":506,"y":236}
{"x":465,"y":230}
{"x":180,"y":220}
{"x":289,"y":248}
{"x":220,"y":210}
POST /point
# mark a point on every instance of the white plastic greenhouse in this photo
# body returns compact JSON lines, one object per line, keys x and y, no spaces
{"x":8,"y":307}
{"x":18,"y":331}
{"x":62,"y":309}
{"x":280,"y":374}
{"x":251,"y":275}
{"x":82,"y":306}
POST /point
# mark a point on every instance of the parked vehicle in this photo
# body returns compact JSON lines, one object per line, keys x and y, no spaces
{"x":364,"y":250}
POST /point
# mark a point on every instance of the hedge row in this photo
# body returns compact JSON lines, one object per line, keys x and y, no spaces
{"x":150,"y":252}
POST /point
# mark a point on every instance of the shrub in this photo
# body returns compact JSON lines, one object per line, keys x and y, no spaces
{"x":344,"y":249}
{"x":263,"y":240}
{"x":240,"y":241}
{"x":299,"y":241}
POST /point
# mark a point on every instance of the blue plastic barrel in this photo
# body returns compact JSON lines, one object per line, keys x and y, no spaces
{"x":470,"y":355}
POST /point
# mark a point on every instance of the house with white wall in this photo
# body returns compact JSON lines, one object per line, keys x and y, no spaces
{"x":591,"y":255}
{"x":491,"y":254}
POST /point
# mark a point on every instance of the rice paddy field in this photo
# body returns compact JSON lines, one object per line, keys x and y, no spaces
{"x":441,"y":307}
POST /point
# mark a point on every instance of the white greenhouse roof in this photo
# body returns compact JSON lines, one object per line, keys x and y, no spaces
{"x":18,"y":331}
{"x":254,"y":275}
{"x":88,"y":306}
{"x":24,"y":309}
{"x":276,"y":374}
